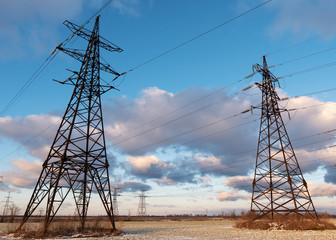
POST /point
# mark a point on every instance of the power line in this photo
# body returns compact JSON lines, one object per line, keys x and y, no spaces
{"x":29,"y":140}
{"x":198,"y":36}
{"x":180,"y":108}
{"x":188,"y":132}
{"x":195,"y":140}
{"x":211,"y":124}
{"x":180,"y":117}
{"x":310,"y":69}
{"x":306,"y":56}
{"x":27,"y":84}
{"x":43,"y":66}
{"x":221,"y":167}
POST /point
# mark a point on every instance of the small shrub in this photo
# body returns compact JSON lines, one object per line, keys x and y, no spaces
{"x":283,"y":222}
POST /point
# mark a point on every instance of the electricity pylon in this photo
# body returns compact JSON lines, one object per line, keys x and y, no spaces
{"x":115,"y":202}
{"x":142,"y":204}
{"x":278,"y":186}
{"x":77,"y":159}
{"x":8,"y":202}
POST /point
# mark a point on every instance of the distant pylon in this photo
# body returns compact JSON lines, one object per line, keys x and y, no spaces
{"x":278,"y":186}
{"x":115,"y":202}
{"x":77,"y":160}
{"x":8,"y":202}
{"x":142,"y":204}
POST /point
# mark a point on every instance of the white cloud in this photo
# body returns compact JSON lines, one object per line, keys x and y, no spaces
{"x":205,"y":179}
{"x":24,"y":173}
{"x":226,"y":148}
{"x":34,"y":131}
{"x":240,"y":182}
{"x":231,"y":196}
{"x":320,"y":190}
{"x":149,"y":166}
{"x":132,"y":186}
{"x":207,"y":161}
{"x":165,"y":181}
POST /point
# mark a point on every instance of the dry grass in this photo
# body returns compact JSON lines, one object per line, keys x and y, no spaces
{"x":70,"y":228}
{"x":280,"y":222}
{"x":185,"y":230}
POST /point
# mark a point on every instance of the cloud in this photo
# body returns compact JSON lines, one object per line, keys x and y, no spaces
{"x":240,"y":183}
{"x":130,"y":7}
{"x":24,"y":173}
{"x":218,"y":144}
{"x":193,"y":138}
{"x":205,"y":179}
{"x":231,"y":196}
{"x":162,"y":205}
{"x":5,"y":187}
{"x":33,"y":28}
{"x":133,"y":186}
{"x":165,"y":181}
{"x":34,"y":131}
{"x":321,"y":190}
{"x":149,"y":166}
{"x":175,"y":123}
{"x":304,"y":18}
{"x":30,"y":27}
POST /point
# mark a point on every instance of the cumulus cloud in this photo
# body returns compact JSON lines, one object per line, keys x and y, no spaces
{"x":172,"y":123}
{"x":320,"y":190}
{"x":240,"y":183}
{"x":149,"y":166}
{"x":34,"y":131}
{"x":5,"y":187}
{"x":133,"y":186}
{"x":220,"y":145}
{"x":194,"y":138}
{"x":231,"y":196}
{"x":165,"y":181}
{"x":24,"y":173}
{"x":304,"y":18}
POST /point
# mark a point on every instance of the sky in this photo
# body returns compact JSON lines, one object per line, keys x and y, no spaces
{"x":174,"y":128}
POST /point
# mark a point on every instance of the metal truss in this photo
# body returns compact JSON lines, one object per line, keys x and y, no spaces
{"x":278,"y":186}
{"x":142,"y":204}
{"x":77,"y":160}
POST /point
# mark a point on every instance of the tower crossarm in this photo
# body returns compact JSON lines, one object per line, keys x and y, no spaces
{"x":78,"y":55}
{"x":86,"y":34}
{"x":263,"y":70}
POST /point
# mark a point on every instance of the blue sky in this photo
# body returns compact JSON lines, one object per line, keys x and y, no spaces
{"x":150,"y":125}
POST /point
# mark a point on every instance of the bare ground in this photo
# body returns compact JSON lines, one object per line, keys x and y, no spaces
{"x":192,"y":230}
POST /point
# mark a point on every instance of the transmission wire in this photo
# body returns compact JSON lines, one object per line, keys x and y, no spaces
{"x":196,"y":37}
{"x":42,"y":67}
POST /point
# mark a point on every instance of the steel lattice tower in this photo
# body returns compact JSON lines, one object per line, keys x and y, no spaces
{"x":278,"y":186}
{"x":77,"y":159}
{"x":115,"y":202}
{"x":7,"y":208}
{"x":142,"y":204}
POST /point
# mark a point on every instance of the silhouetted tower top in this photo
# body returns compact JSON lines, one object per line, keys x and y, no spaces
{"x":278,"y":186}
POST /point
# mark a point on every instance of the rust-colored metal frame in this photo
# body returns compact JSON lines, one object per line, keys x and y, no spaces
{"x":278,"y":186}
{"x":77,"y":159}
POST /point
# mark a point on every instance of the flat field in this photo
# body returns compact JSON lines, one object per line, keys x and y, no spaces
{"x":192,"y":230}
